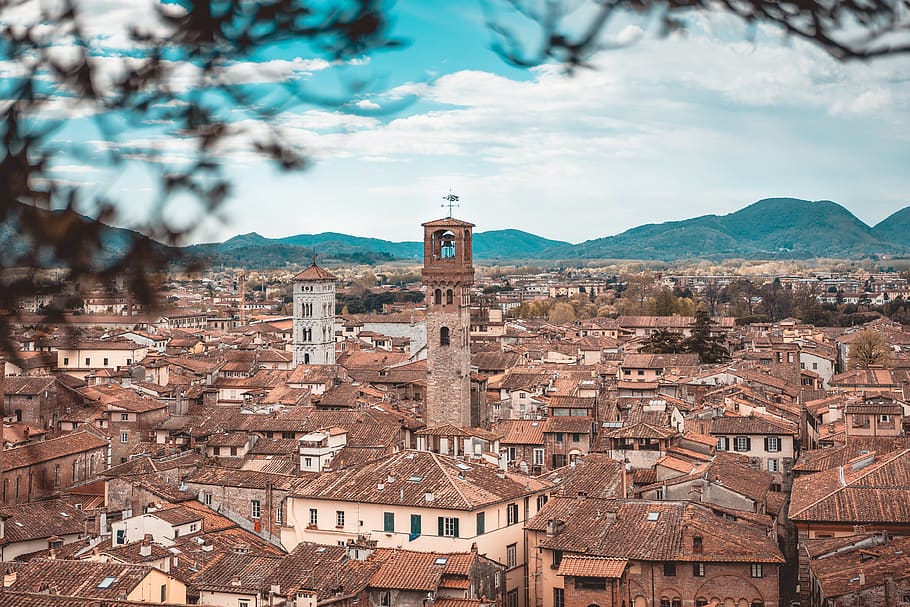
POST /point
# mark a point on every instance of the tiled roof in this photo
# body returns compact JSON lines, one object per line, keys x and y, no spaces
{"x":39,"y":520}
{"x":35,"y":453}
{"x":878,"y":492}
{"x":838,"y":574}
{"x":320,"y":568}
{"x":816,"y":460}
{"x":592,"y":566}
{"x":79,"y":578}
{"x":452,"y":483}
{"x":520,"y":432}
{"x":423,"y":571}
{"x":29,"y":599}
{"x":314,"y":272}
{"x":594,"y":475}
{"x":752,"y":424}
{"x":229,"y":477}
{"x":27,"y":385}
{"x":651,"y":531}
{"x":640,"y":430}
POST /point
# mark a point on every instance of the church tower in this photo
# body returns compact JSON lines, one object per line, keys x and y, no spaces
{"x":314,"y":317}
{"x":448,"y":274}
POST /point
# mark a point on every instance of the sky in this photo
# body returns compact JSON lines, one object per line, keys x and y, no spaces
{"x":664,"y":128}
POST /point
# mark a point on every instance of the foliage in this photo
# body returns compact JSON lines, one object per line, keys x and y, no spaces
{"x":561,"y":313}
{"x":868,"y":349}
{"x":663,"y":341}
{"x":709,"y":347}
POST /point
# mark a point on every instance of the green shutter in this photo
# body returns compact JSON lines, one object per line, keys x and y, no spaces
{"x":442,"y":526}
{"x":388,"y":522}
{"x":456,"y":528}
{"x":481,"y":524}
{"x":415,"y":525}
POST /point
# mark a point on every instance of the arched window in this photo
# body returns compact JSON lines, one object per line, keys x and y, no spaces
{"x":449,"y":295}
{"x":447,"y":249}
{"x":444,"y":336}
{"x":758,"y":603}
{"x":437,"y":297}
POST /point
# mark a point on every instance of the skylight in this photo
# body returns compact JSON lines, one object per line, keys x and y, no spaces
{"x":320,"y":549}
{"x":461,"y":466}
{"x":415,"y":479}
{"x":653,"y":516}
{"x":107,"y":582}
{"x":442,"y":560}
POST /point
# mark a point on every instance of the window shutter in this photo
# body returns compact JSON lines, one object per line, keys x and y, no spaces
{"x":456,"y":528}
{"x":748,"y":444}
{"x":726,"y":443}
{"x":767,"y":444}
{"x":441,"y":526}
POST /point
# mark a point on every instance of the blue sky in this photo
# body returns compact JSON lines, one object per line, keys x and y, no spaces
{"x":664,"y":129}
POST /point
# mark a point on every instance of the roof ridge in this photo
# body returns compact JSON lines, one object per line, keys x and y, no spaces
{"x":445,"y":471}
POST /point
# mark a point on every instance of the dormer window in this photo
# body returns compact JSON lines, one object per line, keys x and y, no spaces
{"x":696,"y":543}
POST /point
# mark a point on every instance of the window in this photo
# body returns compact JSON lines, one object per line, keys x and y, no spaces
{"x":512,"y":598}
{"x":279,"y":514}
{"x":701,"y":602}
{"x":512,"y":453}
{"x":669,"y":569}
{"x":448,"y":526}
{"x":860,"y":421}
{"x":538,"y":457}
{"x":559,"y":597}
{"x":385,"y":598}
{"x":234,"y":451}
{"x":576,"y":437}
{"x":755,"y":570}
{"x":697,"y":544}
{"x":314,"y":517}
{"x":541,"y":500}
{"x":121,"y":536}
{"x":512,"y":514}
{"x":163,"y":593}
{"x":308,"y":462}
{"x":742,"y":443}
{"x":243,"y":602}
{"x":437,"y":296}
{"x":124,"y":437}
{"x":772,"y":444}
{"x":124,"y":417}
{"x":481,"y":523}
{"x":207,"y":499}
{"x":449,"y":296}
{"x":698,"y":570}
{"x":388,"y":522}
{"x":557,"y":559}
{"x":339,"y":518}
{"x":773,"y":465}
{"x":255,"y":509}
{"x":88,"y":361}
{"x":511,"y":555}
{"x":560,"y":437}
{"x":884,"y":419}
{"x":444,"y":336}
{"x":66,"y":361}
{"x":416,"y":525}
{"x":105,"y":362}
{"x":723,"y":443}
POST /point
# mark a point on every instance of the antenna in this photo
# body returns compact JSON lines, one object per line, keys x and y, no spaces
{"x":450,"y":201}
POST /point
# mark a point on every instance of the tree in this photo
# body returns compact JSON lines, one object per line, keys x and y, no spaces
{"x":709,"y":347}
{"x":663,"y":341}
{"x":868,"y":349}
{"x":561,"y":313}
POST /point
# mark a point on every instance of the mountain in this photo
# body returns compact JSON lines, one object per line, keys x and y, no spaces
{"x":254,"y":250}
{"x":895,"y":228}
{"x":769,"y":228}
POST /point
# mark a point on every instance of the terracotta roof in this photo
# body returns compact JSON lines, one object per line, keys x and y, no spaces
{"x":839,"y":574}
{"x":39,"y":520}
{"x":452,"y":483}
{"x":79,"y":578}
{"x":314,"y":272}
{"x":319,"y":568}
{"x":592,"y":566}
{"x":871,"y":489}
{"x":752,"y":424}
{"x":43,"y":451}
{"x":423,"y":571}
{"x":520,"y":431}
{"x":447,"y":222}
{"x":594,"y":475}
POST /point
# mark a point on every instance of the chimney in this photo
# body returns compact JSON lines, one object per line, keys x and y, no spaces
{"x":428,"y":496}
{"x":145,"y":549}
{"x":235,"y":581}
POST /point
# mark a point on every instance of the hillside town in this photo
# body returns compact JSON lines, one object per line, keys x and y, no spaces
{"x":458,"y":438}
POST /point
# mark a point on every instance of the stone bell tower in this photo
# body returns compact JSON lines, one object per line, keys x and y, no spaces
{"x":448,"y":274}
{"x":314,"y":317}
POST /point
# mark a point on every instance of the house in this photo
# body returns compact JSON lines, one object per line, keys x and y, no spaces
{"x":32,"y":400}
{"x":100,"y":581}
{"x":38,"y":470}
{"x":617,"y":552}
{"x":82,"y":357}
{"x":422,"y":501}
{"x":874,"y":416}
{"x":640,"y":444}
{"x":651,"y":367}
{"x":770,"y":443}
{"x":28,"y":528}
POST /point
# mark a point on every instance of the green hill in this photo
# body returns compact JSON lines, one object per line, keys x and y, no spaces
{"x":895,"y":228}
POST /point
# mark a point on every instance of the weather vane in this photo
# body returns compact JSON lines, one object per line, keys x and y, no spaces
{"x":450,"y":201}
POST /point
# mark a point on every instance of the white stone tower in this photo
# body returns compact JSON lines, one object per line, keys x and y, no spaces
{"x":448,"y":273}
{"x":314,"y":317}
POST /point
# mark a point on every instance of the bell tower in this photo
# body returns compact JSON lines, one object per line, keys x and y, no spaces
{"x":448,"y":273}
